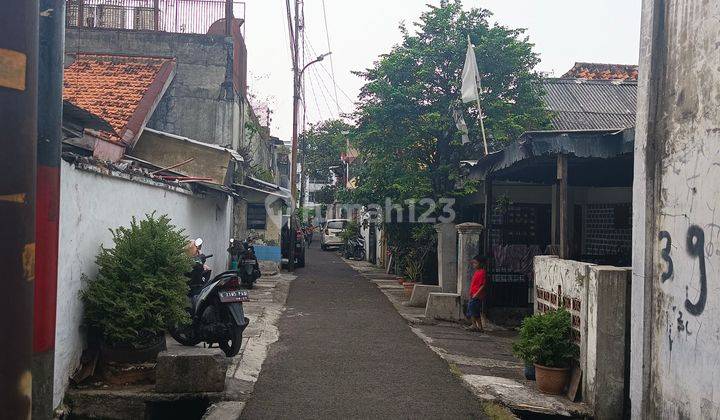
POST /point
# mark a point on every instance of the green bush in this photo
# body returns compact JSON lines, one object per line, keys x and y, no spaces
{"x":352,"y":230}
{"x":546,"y":339}
{"x":140,"y":288}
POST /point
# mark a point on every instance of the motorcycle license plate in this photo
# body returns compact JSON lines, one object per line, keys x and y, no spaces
{"x":232,"y":296}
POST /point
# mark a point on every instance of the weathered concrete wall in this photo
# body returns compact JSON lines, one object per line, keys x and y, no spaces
{"x":597,"y":297}
{"x":256,"y":140}
{"x":191,"y":107}
{"x":90,"y":204}
{"x":274,"y":208}
{"x":676,"y":262}
{"x":447,"y":256}
{"x":608,"y":313}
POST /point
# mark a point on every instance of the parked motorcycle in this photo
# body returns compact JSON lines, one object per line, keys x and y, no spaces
{"x":244,"y":261}
{"x":355,"y":248}
{"x":216,"y":309}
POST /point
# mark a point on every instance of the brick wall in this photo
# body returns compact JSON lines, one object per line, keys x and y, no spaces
{"x":607,"y":229}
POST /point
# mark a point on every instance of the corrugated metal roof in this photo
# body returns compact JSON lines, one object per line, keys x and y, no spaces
{"x":591,"y":104}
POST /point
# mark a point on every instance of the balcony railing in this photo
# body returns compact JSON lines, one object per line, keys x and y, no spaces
{"x":179,"y":16}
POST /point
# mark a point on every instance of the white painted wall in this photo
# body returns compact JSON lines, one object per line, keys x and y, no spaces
{"x":676,"y":257}
{"x":91,"y":203}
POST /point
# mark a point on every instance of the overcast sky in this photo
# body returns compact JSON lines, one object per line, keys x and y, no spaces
{"x":563,"y":31}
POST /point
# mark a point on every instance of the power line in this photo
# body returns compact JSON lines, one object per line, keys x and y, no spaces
{"x":321,"y":65}
{"x":332,"y":66}
{"x":314,"y":95}
{"x":337,"y":103}
{"x":290,"y":31}
{"x":324,"y":90}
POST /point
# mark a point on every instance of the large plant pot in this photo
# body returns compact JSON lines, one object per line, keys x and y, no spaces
{"x":130,"y":354}
{"x":408,"y":289}
{"x":551,"y":380}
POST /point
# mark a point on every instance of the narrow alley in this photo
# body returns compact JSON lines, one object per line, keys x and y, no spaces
{"x":344,"y":352}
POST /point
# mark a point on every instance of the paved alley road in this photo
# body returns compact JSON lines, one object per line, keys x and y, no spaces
{"x":344,"y":352}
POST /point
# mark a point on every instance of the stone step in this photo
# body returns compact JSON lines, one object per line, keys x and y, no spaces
{"x":183,"y":369}
{"x":420,"y":294}
{"x":443,"y":306}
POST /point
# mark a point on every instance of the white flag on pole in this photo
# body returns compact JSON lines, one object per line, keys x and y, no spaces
{"x":470,"y":76}
{"x":471,"y":84}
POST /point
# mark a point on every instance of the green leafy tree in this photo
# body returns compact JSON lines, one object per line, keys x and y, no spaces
{"x":324,"y":142}
{"x":140,"y":288}
{"x":409,"y":144}
{"x":326,"y":194}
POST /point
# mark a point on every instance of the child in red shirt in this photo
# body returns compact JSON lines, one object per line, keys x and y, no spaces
{"x":478,"y":291}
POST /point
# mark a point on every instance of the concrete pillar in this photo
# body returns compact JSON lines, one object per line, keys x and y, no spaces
{"x":608,"y":320}
{"x":447,"y":256}
{"x":468,"y":247}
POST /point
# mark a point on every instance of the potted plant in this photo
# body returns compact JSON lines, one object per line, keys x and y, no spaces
{"x":413,"y":272}
{"x":546,"y":341}
{"x":139,"y":290}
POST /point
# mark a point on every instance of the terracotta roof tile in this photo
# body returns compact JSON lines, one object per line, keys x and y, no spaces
{"x":601,"y":71}
{"x":115,"y":87}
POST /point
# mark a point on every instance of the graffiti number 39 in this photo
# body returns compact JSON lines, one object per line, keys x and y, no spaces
{"x":696,"y":248}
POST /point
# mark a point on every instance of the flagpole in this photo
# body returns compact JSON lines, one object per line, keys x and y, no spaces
{"x":482,"y":125}
{"x":478,"y":87}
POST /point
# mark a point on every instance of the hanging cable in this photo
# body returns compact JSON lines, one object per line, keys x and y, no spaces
{"x":312,"y":89}
{"x":332,"y":66}
{"x":321,"y":65}
{"x":326,"y":93}
{"x":290,"y":30}
{"x":324,"y":86}
{"x":323,"y":93}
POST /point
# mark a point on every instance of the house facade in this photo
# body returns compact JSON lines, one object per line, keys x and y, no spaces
{"x":156,"y":120}
{"x":555,"y":209}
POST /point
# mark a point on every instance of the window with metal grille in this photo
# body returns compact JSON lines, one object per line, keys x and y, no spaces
{"x":256,"y":216}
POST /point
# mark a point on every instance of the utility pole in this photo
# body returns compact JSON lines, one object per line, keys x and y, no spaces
{"x":47,"y":219}
{"x":18,"y":136}
{"x":303,"y":140}
{"x":293,"y":154}
{"x":297,"y":87}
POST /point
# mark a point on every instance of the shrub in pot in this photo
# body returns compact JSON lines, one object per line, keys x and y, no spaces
{"x":413,"y":272}
{"x":139,"y":290}
{"x":546,"y":341}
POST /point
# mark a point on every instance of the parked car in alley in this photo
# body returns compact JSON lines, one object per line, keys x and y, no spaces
{"x":330,"y":234}
{"x":299,"y":241}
